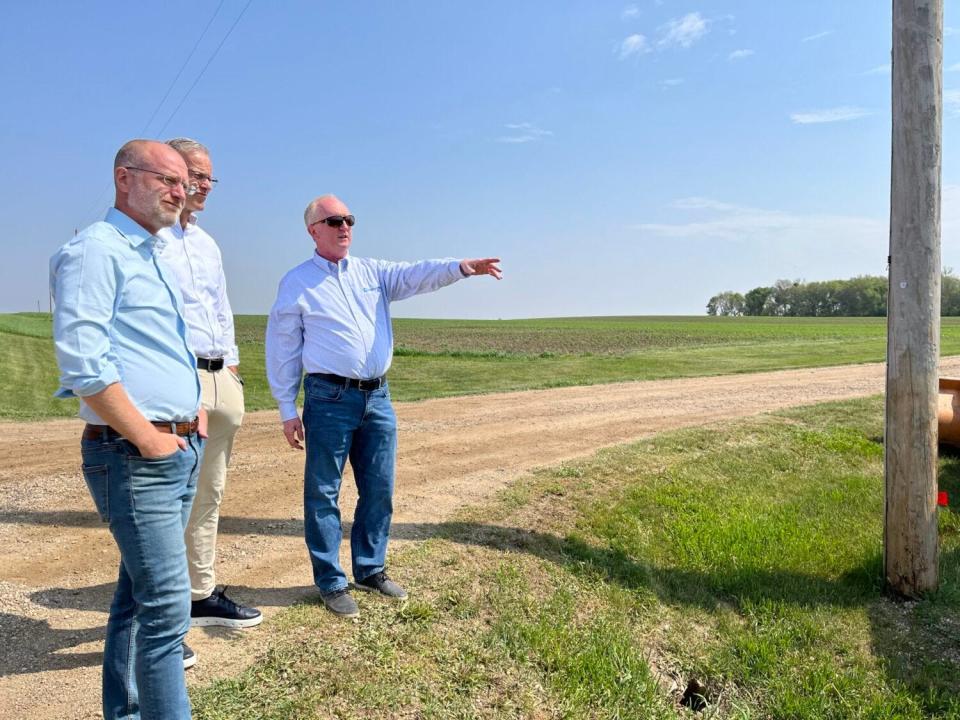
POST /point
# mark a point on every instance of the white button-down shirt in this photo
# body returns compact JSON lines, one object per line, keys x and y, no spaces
{"x":194,"y":259}
{"x":335,"y":318}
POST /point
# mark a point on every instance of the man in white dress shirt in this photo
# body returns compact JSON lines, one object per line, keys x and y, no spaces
{"x":193,"y":256}
{"x":331,"y":319}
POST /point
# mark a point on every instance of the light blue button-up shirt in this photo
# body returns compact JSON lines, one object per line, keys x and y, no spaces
{"x":335,"y":318}
{"x":118,"y":318}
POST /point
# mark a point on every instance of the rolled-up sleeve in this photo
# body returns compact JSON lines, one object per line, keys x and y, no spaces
{"x":83,"y":281}
{"x":404,"y":279}
{"x":284,"y":351}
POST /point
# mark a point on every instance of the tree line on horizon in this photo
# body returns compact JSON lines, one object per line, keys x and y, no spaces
{"x":862,"y":296}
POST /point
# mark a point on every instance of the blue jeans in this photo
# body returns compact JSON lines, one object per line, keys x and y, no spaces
{"x":341,"y":423}
{"x":147,"y":504}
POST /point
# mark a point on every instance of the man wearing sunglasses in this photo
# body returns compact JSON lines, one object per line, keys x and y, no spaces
{"x":194,"y":258}
{"x":121,"y":345}
{"x":331,"y":319}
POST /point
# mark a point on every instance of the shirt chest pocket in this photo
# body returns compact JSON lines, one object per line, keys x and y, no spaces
{"x":369,"y":297}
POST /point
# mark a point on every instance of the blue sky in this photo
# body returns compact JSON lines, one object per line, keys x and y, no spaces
{"x":623,"y":158}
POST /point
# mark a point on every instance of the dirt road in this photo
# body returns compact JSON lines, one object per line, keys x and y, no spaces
{"x":58,"y":563}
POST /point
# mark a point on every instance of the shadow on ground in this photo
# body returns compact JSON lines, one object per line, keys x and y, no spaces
{"x":41,"y":647}
{"x":916,"y":641}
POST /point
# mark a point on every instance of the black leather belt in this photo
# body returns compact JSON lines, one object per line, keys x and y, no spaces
{"x":374,"y":384}
{"x":210,"y":364}
{"x":105,"y":432}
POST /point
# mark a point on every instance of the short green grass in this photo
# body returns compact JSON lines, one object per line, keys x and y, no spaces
{"x":436,"y":358}
{"x":747,"y":557}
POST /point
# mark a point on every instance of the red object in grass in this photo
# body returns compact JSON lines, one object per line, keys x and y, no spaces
{"x":942,"y":498}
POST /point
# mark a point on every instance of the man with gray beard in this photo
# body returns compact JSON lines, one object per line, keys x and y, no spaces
{"x":121,"y":345}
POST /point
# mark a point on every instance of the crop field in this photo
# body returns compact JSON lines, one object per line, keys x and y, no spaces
{"x":605,"y":336}
{"x":437,"y":358}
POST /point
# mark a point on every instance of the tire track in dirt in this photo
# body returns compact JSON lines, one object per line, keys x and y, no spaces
{"x":58,"y":562}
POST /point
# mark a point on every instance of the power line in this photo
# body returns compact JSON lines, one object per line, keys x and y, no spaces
{"x":182,"y":101}
{"x":94,"y":211}
{"x":182,"y":68}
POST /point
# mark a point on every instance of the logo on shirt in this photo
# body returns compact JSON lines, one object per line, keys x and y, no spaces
{"x":372,"y":288}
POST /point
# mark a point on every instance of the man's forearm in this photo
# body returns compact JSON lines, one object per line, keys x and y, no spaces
{"x":114,"y":406}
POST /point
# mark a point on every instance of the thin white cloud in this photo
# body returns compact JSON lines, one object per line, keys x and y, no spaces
{"x":739,"y":54}
{"x":629,"y":12}
{"x":819,"y":35}
{"x":635,"y":44}
{"x":771,"y":243}
{"x":948,"y":31}
{"x":951,"y":103}
{"x":702,"y":203}
{"x":953,"y":68}
{"x":671,"y":82}
{"x":684,"y":31}
{"x":745,"y":224}
{"x":879,"y":70}
{"x":523,"y":133}
{"x":829,"y":115}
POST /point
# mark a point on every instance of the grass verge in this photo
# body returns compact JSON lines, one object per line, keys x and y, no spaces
{"x":745,"y":557}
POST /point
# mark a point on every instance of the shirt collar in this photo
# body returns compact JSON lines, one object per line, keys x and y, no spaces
{"x":324,"y":264}
{"x":134,"y":233}
{"x":176,"y":231}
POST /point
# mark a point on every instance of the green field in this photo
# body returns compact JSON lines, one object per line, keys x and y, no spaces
{"x":746,"y":556}
{"x":436,"y":358}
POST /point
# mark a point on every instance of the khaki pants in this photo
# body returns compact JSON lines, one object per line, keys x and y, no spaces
{"x":222,"y":397}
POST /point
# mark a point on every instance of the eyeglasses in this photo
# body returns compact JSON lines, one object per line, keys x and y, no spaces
{"x":336,"y":221}
{"x":200,"y":177}
{"x":169,"y":180}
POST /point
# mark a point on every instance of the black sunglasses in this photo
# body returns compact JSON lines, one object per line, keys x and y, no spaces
{"x":336,"y":221}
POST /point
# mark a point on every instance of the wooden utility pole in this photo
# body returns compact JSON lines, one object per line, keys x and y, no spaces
{"x":913,"y":310}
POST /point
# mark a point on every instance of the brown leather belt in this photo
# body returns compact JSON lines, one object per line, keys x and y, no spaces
{"x":105,"y":432}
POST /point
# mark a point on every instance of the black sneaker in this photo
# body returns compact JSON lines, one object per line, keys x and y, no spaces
{"x":218,"y":609}
{"x":380,"y":583}
{"x":189,"y":657}
{"x":340,"y":603}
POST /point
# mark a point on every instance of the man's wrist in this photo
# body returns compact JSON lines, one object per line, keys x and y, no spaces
{"x":288,"y":411}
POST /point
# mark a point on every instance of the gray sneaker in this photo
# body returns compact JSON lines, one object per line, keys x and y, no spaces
{"x":340,"y":603}
{"x":380,"y":583}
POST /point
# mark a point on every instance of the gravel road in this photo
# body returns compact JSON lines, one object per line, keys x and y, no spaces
{"x":58,"y":562}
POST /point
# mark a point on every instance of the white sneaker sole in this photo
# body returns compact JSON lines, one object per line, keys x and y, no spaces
{"x":225,"y":622}
{"x":190,"y":661}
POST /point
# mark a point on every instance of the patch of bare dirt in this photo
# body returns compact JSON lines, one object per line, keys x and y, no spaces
{"x":58,"y":563}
